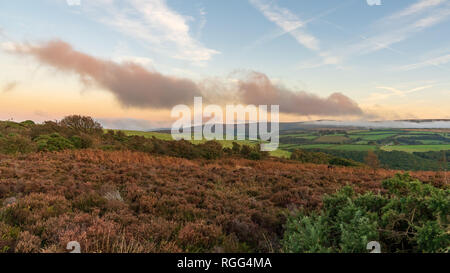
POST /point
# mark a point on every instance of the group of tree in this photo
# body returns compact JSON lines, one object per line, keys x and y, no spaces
{"x":306,"y":156}
{"x":396,"y":160}
{"x":81,"y":132}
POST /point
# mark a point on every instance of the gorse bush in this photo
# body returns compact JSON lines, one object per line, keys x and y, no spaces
{"x":14,"y":144}
{"x":53,"y":142}
{"x":83,"y":141}
{"x":410,"y":216}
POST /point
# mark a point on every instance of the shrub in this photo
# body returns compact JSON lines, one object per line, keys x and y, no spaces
{"x":16,"y":144}
{"x":82,"y":142}
{"x":199,"y":236}
{"x":27,"y":243}
{"x":28,"y":123}
{"x":8,"y":237}
{"x":410,"y":217}
{"x":211,"y":150}
{"x":53,"y":142}
{"x":306,"y":234}
{"x":82,"y":124}
{"x":48,"y":128}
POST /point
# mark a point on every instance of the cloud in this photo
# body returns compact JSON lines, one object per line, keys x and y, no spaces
{"x":143,"y":61}
{"x":153,"y":22}
{"x":386,"y":124}
{"x":294,"y":26}
{"x":131,"y":124}
{"x":131,"y":84}
{"x":10,"y":86}
{"x":402,"y":25}
{"x":135,"y":86}
{"x":257,"y":89}
{"x":202,"y":22}
{"x":7,"y":46}
{"x":288,"y":22}
{"x":395,"y":92}
{"x":437,"y":61}
{"x":418,"y":7}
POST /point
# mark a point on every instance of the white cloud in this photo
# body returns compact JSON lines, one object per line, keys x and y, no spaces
{"x":8,"y":46}
{"x":394,"y":92}
{"x":437,"y":61}
{"x":202,"y":22}
{"x":157,"y":25}
{"x":144,"y":61}
{"x":288,"y":22}
{"x":291,"y":24}
{"x":402,"y":25}
{"x":418,"y":7}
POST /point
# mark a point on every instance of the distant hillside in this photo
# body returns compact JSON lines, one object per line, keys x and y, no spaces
{"x":311,"y":125}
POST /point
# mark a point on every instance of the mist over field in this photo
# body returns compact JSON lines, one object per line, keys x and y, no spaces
{"x":422,"y":124}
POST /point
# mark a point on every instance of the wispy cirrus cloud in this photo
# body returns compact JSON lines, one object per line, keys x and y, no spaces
{"x":291,"y":24}
{"x":155,"y":24}
{"x":418,"y":7}
{"x":394,"y":92}
{"x":436,"y":61}
{"x":401,"y":25}
{"x":288,"y":22}
{"x":9,"y":86}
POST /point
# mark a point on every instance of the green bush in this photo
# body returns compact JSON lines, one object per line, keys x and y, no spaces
{"x":410,"y":217}
{"x":82,"y":142}
{"x":53,"y":142}
{"x":211,"y":149}
{"x":13,"y":144}
{"x":306,"y":234}
{"x":27,"y":123}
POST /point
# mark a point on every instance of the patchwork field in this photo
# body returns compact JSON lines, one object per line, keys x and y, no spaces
{"x":348,"y":143}
{"x":416,"y":148}
{"x":364,"y":140}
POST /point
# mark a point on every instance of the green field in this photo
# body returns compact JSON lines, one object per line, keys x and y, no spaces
{"x":346,"y":147}
{"x":147,"y":134}
{"x":372,"y":136}
{"x":281,"y":153}
{"x":305,"y":136}
{"x":165,"y":136}
{"x":416,"y":148}
{"x":356,"y":140}
{"x":331,"y":139}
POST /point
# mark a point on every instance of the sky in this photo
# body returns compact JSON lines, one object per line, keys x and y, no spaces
{"x":127,"y":63}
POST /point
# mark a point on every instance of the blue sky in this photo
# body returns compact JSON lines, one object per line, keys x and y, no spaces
{"x":392,"y":59}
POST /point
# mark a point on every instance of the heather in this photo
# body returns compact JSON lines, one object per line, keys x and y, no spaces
{"x":124,"y":201}
{"x":70,"y":180}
